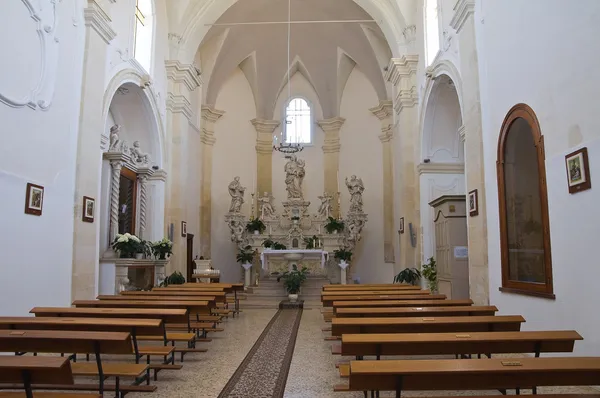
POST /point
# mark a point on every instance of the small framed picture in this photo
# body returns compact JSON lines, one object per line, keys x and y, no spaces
{"x":183,"y":229}
{"x":578,"y":171}
{"x":473,"y":203}
{"x":34,"y":199}
{"x":89,"y":208}
{"x":401,"y":227}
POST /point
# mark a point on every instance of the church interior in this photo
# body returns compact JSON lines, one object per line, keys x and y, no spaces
{"x":299,"y":198}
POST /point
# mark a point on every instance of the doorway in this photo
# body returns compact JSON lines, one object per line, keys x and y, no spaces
{"x":190,"y":257}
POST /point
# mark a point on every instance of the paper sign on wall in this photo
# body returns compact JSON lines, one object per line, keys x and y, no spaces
{"x":461,"y":252}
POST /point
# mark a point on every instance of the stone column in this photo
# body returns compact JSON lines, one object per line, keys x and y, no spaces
{"x":264,"y":154}
{"x":183,"y":80}
{"x":471,"y":132}
{"x":86,"y":243}
{"x":115,"y":182}
{"x":402,"y":74}
{"x":385,"y":113}
{"x":209,"y":117}
{"x":143,"y":176}
{"x":331,"y":158}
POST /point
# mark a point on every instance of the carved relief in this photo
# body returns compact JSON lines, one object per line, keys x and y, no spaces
{"x":36,"y":30}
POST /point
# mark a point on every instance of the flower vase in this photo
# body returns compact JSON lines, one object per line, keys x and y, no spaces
{"x":293,"y":297}
{"x":256,"y":232}
{"x":139,"y":256}
{"x":162,"y":256}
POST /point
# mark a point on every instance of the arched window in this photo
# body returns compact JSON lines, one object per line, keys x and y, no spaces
{"x":143,"y":33}
{"x":523,"y":199}
{"x":432,"y":31}
{"x":298,"y":122}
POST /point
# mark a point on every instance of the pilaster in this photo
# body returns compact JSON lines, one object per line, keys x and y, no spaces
{"x":331,"y":158}
{"x":471,"y":134}
{"x":264,"y":154}
{"x":210,"y":116}
{"x":86,"y":243}
{"x":401,"y":72}
{"x":385,"y":113}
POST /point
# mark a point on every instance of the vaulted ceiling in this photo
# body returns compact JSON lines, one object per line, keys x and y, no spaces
{"x":324,"y":53}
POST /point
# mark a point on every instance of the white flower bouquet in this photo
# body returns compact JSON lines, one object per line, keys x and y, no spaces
{"x":162,"y":249}
{"x":127,"y":245}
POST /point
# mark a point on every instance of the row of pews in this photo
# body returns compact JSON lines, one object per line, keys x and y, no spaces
{"x":143,"y":332}
{"x":402,"y":320}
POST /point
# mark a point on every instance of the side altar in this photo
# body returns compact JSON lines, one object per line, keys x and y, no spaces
{"x":290,"y":234}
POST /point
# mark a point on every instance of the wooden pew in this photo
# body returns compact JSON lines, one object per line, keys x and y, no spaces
{"x":26,"y":371}
{"x":182,"y":295}
{"x":328,"y":300}
{"x":500,"y":323}
{"x":78,"y":342}
{"x":213,"y":296}
{"x":373,"y":292}
{"x":360,"y":345}
{"x":471,"y":374}
{"x":228,"y":288}
{"x":370,"y":286}
{"x":366,"y":312}
{"x":398,"y":303}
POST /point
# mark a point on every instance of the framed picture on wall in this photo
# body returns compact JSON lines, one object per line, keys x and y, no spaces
{"x":578,"y":171}
{"x":473,"y":203}
{"x":34,"y":199}
{"x":183,"y":229}
{"x":89,"y":208}
{"x":401,"y":227}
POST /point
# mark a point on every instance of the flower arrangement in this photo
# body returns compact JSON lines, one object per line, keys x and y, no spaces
{"x":293,"y":280}
{"x":256,"y":224}
{"x":162,"y":249}
{"x":176,"y":278}
{"x":127,"y":245}
{"x":343,"y":255}
{"x":245,"y":255}
{"x":334,"y":225}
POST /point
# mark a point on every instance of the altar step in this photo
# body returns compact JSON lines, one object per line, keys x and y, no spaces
{"x":269,"y":293}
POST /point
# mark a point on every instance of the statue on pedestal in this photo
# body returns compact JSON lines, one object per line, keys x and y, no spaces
{"x":137,"y":155}
{"x":116,"y":144}
{"x":325,"y":207}
{"x":236,"y":190}
{"x":294,"y":174}
{"x":356,"y":188}
{"x":266,"y":206}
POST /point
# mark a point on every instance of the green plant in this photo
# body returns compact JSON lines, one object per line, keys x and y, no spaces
{"x":293,"y":280}
{"x":408,"y":275}
{"x":278,"y":246}
{"x":176,"y":278}
{"x":429,"y":271}
{"x":127,"y":245}
{"x":334,"y":225}
{"x":256,"y":224}
{"x":343,"y":255}
{"x":311,"y":243}
{"x":245,"y":255}
{"x":162,"y":249}
{"x":268,"y":243}
{"x":145,"y":248}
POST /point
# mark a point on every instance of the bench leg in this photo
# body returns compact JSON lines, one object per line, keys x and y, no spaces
{"x":398,"y":386}
{"x":117,"y":388}
{"x":27,"y":384}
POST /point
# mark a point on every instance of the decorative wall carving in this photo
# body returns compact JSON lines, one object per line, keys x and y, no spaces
{"x":36,"y":29}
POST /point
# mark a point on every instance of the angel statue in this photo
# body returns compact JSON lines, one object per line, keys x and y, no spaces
{"x":115,"y":144}
{"x":236,"y":190}
{"x":356,"y":189}
{"x":325,"y":207}
{"x":137,"y":155}
{"x":266,"y":206}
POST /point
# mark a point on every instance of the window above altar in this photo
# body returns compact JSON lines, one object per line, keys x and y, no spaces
{"x":298,"y":122}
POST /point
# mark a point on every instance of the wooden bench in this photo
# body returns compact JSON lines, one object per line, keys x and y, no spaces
{"x":360,"y":345}
{"x":29,"y":370}
{"x":399,"y":303}
{"x":217,"y":297}
{"x":78,"y":342}
{"x":370,"y":286}
{"x":329,"y":300}
{"x":374,"y":292}
{"x":234,"y":288}
{"x":359,"y":312}
{"x":471,"y":374}
{"x":500,"y":323}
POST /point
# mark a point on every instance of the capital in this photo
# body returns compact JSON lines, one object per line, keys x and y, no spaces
{"x":211,"y":114}
{"x":333,"y":124}
{"x":384,"y":110}
{"x":264,"y":125}
{"x":463,"y":9}
{"x":186,"y":74}
{"x":402,"y":68}
{"x":96,"y":18}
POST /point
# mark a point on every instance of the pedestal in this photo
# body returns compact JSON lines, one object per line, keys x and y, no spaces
{"x":247,"y":277}
{"x":202,"y":265}
{"x":115,"y":275}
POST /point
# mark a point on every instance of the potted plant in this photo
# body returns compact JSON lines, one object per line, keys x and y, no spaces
{"x":344,"y":256}
{"x":293,"y":280}
{"x":162,"y":249}
{"x":408,"y":275}
{"x":311,"y":243}
{"x":127,"y":245}
{"x":295,"y":219}
{"x":268,"y":243}
{"x":278,"y":246}
{"x":245,"y":257}
{"x":430,"y":274}
{"x":256,"y":226}
{"x":334,"y":226}
{"x":176,"y":278}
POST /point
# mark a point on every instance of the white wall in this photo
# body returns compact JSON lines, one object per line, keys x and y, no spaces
{"x":233,"y":155}
{"x":38,"y":147}
{"x":542,"y":53}
{"x":361,"y":154}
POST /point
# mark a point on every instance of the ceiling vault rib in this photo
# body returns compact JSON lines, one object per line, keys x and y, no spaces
{"x":291,"y":22}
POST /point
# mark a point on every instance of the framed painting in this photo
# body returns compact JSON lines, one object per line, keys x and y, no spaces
{"x":89,"y":208}
{"x":183,"y":229}
{"x":401,"y":227}
{"x":473,"y":203}
{"x":578,"y":171}
{"x":34,"y":199}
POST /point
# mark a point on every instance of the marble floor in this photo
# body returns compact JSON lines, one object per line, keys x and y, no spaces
{"x":312,"y":372}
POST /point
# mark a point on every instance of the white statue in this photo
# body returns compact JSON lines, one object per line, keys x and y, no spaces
{"x":237,"y":231}
{"x":236,"y":190}
{"x":356,"y":188}
{"x":325,"y":208}
{"x":137,"y":155}
{"x":294,"y":174}
{"x":266,"y":206}
{"x":115,"y":142}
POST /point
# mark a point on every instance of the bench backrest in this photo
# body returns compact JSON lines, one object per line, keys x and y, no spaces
{"x":374,"y":292}
{"x":416,"y":311}
{"x":162,"y":298}
{"x":127,"y":325}
{"x":168,"y":315}
{"x":193,"y":306}
{"x":399,"y":303}
{"x":39,"y":370}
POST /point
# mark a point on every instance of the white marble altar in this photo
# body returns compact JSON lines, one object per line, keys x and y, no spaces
{"x":293,"y":256}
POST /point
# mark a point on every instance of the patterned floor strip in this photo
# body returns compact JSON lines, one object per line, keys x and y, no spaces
{"x":264,"y":371}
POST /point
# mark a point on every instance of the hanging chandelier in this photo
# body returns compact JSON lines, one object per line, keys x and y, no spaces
{"x":281,"y":145}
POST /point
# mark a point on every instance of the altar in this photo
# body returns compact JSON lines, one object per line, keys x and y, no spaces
{"x":292,"y":257}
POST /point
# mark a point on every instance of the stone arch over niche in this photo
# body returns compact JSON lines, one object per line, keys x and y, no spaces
{"x":200,"y":13}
